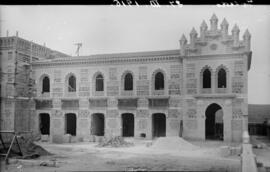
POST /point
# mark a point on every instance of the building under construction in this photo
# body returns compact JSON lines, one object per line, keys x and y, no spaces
{"x":198,"y":91}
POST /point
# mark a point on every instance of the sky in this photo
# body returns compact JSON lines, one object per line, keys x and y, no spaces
{"x":112,"y":29}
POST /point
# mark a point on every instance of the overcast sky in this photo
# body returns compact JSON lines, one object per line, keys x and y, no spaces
{"x":111,"y":29}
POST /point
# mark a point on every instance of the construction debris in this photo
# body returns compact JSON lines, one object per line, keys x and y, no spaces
{"x":29,"y":149}
{"x":117,"y":141}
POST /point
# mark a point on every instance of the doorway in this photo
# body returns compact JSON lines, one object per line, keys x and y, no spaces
{"x":44,"y":123}
{"x":128,"y":125}
{"x":71,"y":124}
{"x":214,"y":122}
{"x":159,"y":125}
{"x":97,"y":124}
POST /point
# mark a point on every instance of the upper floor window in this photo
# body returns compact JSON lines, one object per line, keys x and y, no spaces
{"x":128,"y":82}
{"x":159,"y":81}
{"x":222,"y":78}
{"x":206,"y":78}
{"x":99,"y":83}
{"x":72,"y":84}
{"x":45,"y":84}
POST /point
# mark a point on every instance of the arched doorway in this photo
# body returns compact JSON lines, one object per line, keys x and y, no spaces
{"x":71,"y":124}
{"x":44,"y":123}
{"x":128,"y":125}
{"x":214,"y":122}
{"x":159,"y":125}
{"x":97,"y":124}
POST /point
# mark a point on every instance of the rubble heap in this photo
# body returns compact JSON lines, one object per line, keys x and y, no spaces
{"x":117,"y":141}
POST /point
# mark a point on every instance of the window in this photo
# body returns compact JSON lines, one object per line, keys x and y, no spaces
{"x":71,"y":84}
{"x":128,"y":82}
{"x":99,"y":83}
{"x":222,"y":78}
{"x":159,"y":81}
{"x":45,"y":84}
{"x":206,"y":78}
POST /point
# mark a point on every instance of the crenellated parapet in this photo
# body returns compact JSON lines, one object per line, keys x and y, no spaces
{"x":215,"y":40}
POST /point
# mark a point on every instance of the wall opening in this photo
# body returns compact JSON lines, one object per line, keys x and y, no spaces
{"x":159,"y":81}
{"x":97,"y":124}
{"x":45,"y":84}
{"x":159,"y":125}
{"x":222,"y":78}
{"x":128,"y":82}
{"x":214,"y":122}
{"x":206,"y":78}
{"x":71,"y":84}
{"x":128,"y":125}
{"x":44,"y":123}
{"x":99,"y":83}
{"x":71,"y":124}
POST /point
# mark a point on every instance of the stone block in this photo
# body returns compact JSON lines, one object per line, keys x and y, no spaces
{"x":225,"y":151}
{"x":44,"y":138}
{"x":57,"y":139}
{"x":67,"y":138}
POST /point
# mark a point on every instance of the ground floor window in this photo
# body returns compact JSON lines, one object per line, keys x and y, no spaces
{"x":71,"y":124}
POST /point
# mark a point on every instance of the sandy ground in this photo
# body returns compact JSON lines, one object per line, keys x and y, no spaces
{"x":88,"y":157}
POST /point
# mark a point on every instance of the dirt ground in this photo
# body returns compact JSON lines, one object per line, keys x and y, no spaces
{"x":87,"y":157}
{"x":262,"y":153}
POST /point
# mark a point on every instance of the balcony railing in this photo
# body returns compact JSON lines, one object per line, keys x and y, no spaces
{"x":97,"y":103}
{"x":43,"y":104}
{"x":127,"y":103}
{"x":70,"y":104}
{"x":206,"y":90}
{"x":159,"y":103}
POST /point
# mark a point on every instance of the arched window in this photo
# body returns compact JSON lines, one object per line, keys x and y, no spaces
{"x":222,"y":78}
{"x":72,"y":84}
{"x":206,"y":78}
{"x":128,"y":82}
{"x":159,"y":81}
{"x":99,"y":83}
{"x":45,"y":84}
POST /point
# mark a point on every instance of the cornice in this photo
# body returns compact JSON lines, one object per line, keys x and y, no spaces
{"x":107,"y":61}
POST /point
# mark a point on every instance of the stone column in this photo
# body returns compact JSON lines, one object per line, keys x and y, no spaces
{"x":227,"y":120}
{"x":113,"y":125}
{"x":57,"y":127}
{"x":201,"y":119}
{"x":143,"y":121}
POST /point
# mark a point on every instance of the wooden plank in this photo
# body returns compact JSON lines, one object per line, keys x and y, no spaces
{"x":18,"y":145}
{"x":9,"y":149}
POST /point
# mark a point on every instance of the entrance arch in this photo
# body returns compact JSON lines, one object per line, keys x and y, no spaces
{"x":214,"y":122}
{"x":127,"y":125}
{"x":159,"y":125}
{"x":44,"y":123}
{"x":97,"y":124}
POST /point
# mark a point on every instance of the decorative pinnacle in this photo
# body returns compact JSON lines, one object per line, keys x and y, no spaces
{"x":214,"y":17}
{"x":224,"y":23}
{"x":246,"y":35}
{"x":183,"y":39}
{"x":204,"y":25}
{"x":193,"y":32}
{"x":235,"y":28}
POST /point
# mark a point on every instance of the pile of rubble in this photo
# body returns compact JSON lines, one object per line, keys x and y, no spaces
{"x":117,"y":141}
